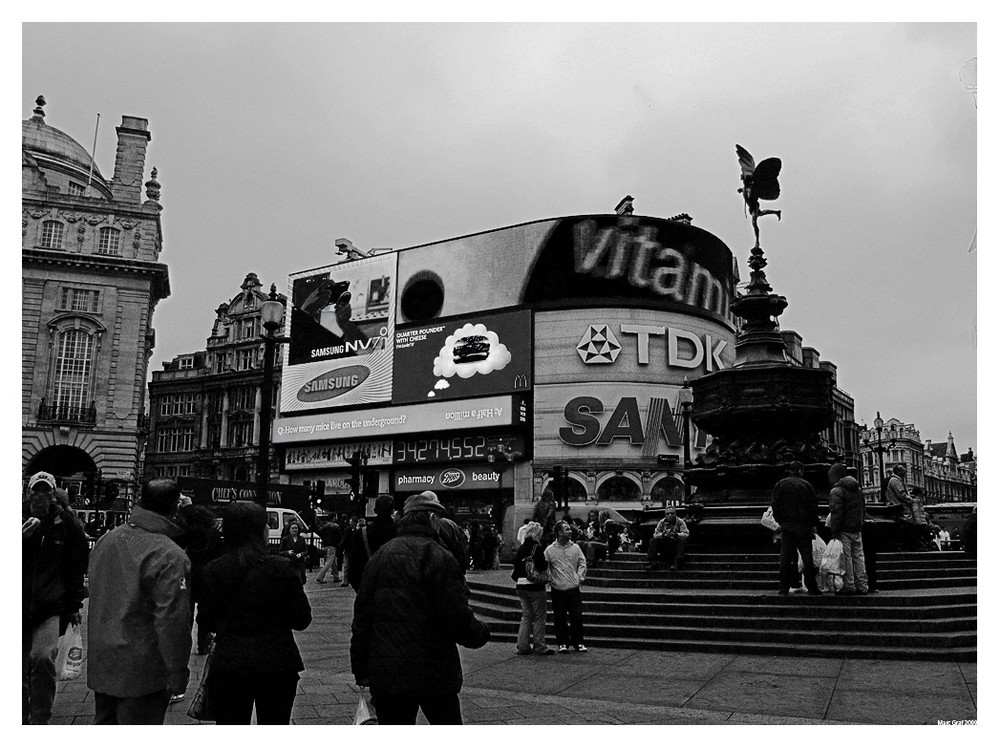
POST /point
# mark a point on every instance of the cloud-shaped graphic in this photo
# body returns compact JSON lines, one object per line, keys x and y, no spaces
{"x":442,"y":384}
{"x":479,"y":351}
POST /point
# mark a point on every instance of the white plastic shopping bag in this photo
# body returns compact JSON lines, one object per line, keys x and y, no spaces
{"x":833,"y":558}
{"x":363,"y":715}
{"x":69,"y":660}
{"x":767,"y":519}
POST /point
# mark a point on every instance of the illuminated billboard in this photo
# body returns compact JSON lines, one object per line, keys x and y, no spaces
{"x":469,"y":357}
{"x":573,"y":262}
{"x":341,"y":330}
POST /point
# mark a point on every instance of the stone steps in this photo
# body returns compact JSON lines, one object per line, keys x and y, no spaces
{"x":728,"y":603}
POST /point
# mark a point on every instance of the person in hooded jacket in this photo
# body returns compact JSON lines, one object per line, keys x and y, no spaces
{"x":847,"y":515}
{"x":254,"y":600}
{"x":139,"y":633}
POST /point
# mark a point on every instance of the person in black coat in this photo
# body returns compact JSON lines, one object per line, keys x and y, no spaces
{"x":254,"y":601}
{"x":369,"y":538}
{"x":794,"y":506}
{"x":411,"y":612}
{"x":294,"y":548}
{"x":531,"y":633}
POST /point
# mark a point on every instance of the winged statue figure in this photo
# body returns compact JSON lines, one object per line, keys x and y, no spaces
{"x":760,"y":182}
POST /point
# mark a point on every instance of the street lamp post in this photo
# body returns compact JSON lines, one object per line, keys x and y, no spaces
{"x":878,"y":448}
{"x":270,"y":318}
{"x":685,"y":399}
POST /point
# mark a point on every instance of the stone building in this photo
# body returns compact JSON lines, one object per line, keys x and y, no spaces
{"x":935,"y":467}
{"x":205,"y":408}
{"x":843,"y":434}
{"x":91,"y":278}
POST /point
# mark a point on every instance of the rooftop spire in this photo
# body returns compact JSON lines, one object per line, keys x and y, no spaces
{"x":39,"y":113}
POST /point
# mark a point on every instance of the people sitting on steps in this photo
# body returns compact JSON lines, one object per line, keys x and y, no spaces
{"x":668,"y":541}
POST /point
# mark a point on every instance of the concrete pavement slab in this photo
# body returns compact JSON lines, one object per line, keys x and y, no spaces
{"x":822,"y":667}
{"x":891,"y":708}
{"x":766,"y":693}
{"x":631,"y":688}
{"x":674,"y":664}
{"x":898,"y":676}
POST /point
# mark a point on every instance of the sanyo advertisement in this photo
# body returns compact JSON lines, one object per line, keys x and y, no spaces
{"x":341,"y":332}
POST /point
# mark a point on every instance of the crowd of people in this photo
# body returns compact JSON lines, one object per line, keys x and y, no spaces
{"x":170,"y":567}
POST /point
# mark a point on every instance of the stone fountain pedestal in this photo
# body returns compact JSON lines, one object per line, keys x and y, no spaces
{"x":763,"y":413}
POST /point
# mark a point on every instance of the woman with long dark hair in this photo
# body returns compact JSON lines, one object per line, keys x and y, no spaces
{"x":294,"y":548}
{"x":254,"y":601}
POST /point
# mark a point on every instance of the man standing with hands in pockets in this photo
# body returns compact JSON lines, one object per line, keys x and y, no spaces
{"x":567,"y":571}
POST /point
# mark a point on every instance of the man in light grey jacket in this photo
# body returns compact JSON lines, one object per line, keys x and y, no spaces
{"x":139,"y":637}
{"x":567,"y":571}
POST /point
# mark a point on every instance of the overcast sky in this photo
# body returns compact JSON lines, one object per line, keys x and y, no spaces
{"x":273,"y":140}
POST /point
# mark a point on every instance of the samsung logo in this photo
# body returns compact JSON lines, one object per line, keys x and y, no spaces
{"x":333,"y":384}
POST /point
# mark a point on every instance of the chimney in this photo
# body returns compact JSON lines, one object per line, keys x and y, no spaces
{"x":130,"y":159}
{"x":793,"y":346}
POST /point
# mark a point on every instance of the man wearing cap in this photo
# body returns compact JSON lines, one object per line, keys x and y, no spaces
{"x":411,"y":611}
{"x":793,"y":503}
{"x":139,"y":637}
{"x":53,"y":564}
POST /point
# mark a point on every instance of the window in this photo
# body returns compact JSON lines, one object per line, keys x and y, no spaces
{"x":246,"y":359}
{"x":109,"y":241}
{"x":187,"y":362}
{"x":175,"y":405}
{"x":76,"y":190}
{"x":175,"y":439}
{"x":240,"y":433}
{"x":243,"y":398}
{"x":52,"y":235}
{"x":74,"y":359}
{"x":79,"y":300}
{"x":249,"y":328}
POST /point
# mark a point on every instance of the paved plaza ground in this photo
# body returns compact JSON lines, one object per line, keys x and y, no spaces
{"x":616,"y":686}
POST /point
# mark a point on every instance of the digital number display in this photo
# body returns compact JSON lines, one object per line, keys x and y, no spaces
{"x":441,"y":450}
{"x":473,"y":448}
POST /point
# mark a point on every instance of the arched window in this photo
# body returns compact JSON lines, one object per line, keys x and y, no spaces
{"x":74,"y":363}
{"x":52,"y":235}
{"x":109,"y":241}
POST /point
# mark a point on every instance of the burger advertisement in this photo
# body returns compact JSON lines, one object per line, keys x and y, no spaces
{"x":462,"y":358}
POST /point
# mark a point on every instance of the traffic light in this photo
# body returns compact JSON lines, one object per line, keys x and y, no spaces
{"x":110,"y":493}
{"x":558,"y":488}
{"x":318,"y":492}
{"x":354,"y":481}
{"x":371,"y":484}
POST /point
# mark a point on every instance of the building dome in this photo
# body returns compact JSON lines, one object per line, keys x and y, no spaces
{"x":52,"y":149}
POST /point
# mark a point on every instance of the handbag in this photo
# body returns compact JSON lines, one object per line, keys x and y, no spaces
{"x":201,"y":705}
{"x":362,"y":715}
{"x":531,"y":572}
{"x":69,"y":660}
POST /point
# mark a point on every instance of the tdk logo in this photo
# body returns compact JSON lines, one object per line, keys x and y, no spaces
{"x":598,"y":345}
{"x":684,"y":349}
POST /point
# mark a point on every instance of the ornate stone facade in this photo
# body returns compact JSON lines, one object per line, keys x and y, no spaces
{"x":205,"y":406}
{"x":91,"y":278}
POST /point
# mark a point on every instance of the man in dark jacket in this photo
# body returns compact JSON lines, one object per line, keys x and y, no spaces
{"x":139,"y":639}
{"x":53,"y":564}
{"x":331,"y":535}
{"x":411,"y":611}
{"x":369,"y":538}
{"x":793,"y":503}
{"x":847,"y":515}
